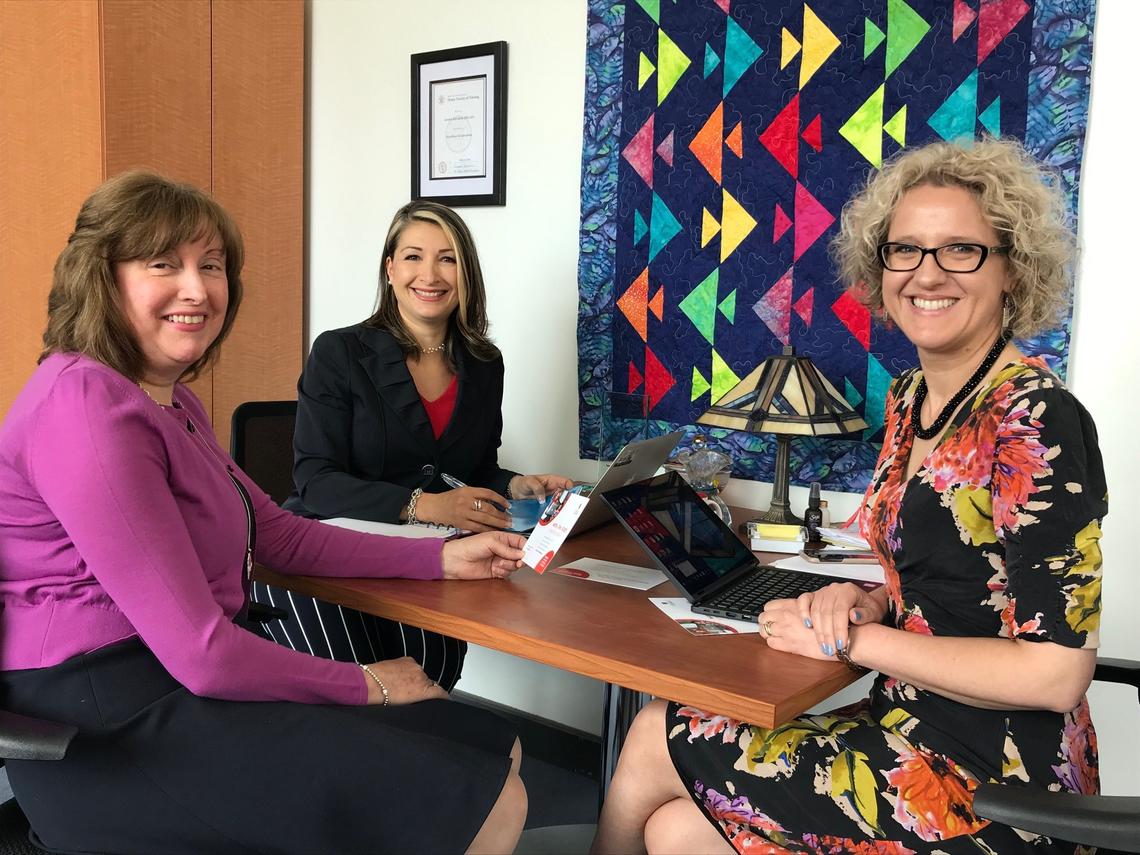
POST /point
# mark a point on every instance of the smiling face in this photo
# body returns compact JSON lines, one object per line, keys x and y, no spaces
{"x":424,"y":276}
{"x":945,"y":315}
{"x":176,"y":305}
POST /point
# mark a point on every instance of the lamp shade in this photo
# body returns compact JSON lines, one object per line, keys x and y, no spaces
{"x":784,"y":394}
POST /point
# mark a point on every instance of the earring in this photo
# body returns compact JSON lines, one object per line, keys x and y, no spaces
{"x":1008,"y":308}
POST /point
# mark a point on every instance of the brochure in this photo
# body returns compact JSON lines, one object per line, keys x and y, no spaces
{"x":678,"y":609}
{"x":612,"y":573}
{"x":553,"y":528}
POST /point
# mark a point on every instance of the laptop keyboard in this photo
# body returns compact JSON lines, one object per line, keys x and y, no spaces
{"x":745,"y":600}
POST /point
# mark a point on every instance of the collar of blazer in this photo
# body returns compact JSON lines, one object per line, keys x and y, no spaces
{"x":386,"y":366}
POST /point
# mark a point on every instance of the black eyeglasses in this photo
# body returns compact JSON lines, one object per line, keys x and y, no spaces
{"x":951,"y":257}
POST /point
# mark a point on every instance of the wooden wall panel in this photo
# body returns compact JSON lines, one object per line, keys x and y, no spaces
{"x":51,"y":158}
{"x":157,"y":95}
{"x":258,"y":62}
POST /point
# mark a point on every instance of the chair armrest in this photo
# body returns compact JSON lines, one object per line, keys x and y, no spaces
{"x":1110,"y":821}
{"x":264,"y":613}
{"x":1125,"y":671}
{"x":26,"y":738}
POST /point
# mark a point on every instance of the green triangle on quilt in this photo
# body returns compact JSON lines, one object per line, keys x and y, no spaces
{"x":699,"y":306}
{"x":700,"y":385}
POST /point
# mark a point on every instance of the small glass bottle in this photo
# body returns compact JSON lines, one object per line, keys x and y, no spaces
{"x":813,"y":516}
{"x":825,"y":513}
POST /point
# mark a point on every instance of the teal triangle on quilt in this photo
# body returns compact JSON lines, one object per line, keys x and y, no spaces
{"x":711,"y":60}
{"x":878,"y":382}
{"x":991,"y":118}
{"x":639,"y":227}
{"x":954,"y":119}
{"x":851,"y":394}
{"x":740,"y":51}
{"x":663,"y":226}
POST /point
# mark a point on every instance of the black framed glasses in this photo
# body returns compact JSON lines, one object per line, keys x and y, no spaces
{"x":951,"y":257}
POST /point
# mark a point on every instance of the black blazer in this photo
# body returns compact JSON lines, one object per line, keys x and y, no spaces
{"x":363,"y":441}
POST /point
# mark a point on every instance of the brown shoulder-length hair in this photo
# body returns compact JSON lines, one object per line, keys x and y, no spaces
{"x":469,"y":321}
{"x":136,"y":215}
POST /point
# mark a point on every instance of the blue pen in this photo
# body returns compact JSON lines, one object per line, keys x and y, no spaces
{"x":451,"y":481}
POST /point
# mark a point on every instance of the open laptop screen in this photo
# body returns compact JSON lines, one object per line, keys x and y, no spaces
{"x":675,"y":525}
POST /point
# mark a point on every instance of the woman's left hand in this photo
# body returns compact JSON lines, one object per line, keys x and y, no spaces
{"x":784,"y":629}
{"x":491,"y":555}
{"x":538,"y":486}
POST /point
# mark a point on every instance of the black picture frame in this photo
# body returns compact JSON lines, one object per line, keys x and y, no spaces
{"x":450,"y":134}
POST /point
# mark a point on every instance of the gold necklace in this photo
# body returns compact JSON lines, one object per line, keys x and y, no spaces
{"x":426,"y":350}
{"x":149,"y":395}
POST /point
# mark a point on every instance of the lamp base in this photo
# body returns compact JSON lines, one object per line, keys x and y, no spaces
{"x":776,"y":514}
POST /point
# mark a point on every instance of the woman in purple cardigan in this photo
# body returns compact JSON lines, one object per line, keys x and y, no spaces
{"x":127,"y":536}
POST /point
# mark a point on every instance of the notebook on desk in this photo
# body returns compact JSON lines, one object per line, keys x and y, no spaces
{"x":635,"y":462}
{"x":703,"y":557}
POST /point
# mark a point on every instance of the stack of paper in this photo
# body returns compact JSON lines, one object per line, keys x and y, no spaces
{"x":845,"y":538}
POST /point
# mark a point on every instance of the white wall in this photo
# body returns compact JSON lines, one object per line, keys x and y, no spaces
{"x":359,"y":129}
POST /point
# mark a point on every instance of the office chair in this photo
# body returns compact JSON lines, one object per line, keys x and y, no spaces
{"x":1103,"y":821}
{"x":261,"y":443}
{"x":25,"y":738}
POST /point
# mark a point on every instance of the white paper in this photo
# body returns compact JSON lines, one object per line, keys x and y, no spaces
{"x":612,"y":573}
{"x":678,"y":609}
{"x":845,"y":537}
{"x":854,"y":572}
{"x":391,"y":529}
{"x":553,"y":528}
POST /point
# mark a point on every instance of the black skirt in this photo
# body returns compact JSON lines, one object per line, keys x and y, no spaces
{"x":156,"y":769}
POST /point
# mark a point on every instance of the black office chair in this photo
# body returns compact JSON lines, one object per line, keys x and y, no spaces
{"x":1103,"y":821}
{"x":261,"y":443}
{"x":25,"y":738}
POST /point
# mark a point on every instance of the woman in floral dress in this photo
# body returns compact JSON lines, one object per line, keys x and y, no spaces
{"x":984,"y":509}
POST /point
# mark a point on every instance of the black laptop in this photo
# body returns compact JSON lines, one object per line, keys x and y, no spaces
{"x":714,"y":568}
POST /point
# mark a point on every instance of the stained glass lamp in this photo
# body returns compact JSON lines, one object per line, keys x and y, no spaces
{"x":787,"y":396}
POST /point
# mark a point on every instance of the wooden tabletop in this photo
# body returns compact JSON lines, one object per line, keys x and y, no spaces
{"x":603,"y":631}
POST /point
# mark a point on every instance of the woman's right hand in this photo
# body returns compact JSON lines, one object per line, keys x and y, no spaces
{"x":831,"y":609}
{"x":469,"y":508}
{"x":405,"y":681}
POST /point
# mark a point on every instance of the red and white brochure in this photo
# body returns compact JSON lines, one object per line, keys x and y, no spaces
{"x":553,"y":528}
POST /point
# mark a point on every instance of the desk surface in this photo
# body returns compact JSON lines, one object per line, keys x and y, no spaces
{"x":606,"y":632}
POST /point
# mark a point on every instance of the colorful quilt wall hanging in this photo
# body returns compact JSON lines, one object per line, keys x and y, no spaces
{"x":721,"y":140}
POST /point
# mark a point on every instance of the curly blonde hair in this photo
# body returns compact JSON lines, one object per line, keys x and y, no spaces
{"x":1018,"y":195}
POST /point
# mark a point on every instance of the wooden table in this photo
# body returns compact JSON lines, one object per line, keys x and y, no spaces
{"x":602,"y":631}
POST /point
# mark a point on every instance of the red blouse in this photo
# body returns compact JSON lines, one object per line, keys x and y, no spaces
{"x":439,"y":411}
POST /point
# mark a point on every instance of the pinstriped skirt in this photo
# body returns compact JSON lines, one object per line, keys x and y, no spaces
{"x":347,"y":635}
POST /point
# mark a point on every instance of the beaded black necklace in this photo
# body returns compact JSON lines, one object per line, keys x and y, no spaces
{"x":959,"y":396}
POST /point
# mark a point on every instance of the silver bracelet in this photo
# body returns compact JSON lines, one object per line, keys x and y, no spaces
{"x":416,"y":493}
{"x":379,"y":683}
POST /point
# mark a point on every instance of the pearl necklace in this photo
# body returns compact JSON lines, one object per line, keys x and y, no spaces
{"x":959,"y":396}
{"x":426,"y":350}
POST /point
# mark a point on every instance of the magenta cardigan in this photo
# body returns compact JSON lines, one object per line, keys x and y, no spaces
{"x":118,"y":519}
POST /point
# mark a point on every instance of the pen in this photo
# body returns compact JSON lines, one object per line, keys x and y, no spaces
{"x":451,"y":481}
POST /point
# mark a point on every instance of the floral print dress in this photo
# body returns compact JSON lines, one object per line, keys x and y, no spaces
{"x":995,"y":535}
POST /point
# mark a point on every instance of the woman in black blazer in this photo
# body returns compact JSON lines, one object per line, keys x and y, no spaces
{"x":384,"y":409}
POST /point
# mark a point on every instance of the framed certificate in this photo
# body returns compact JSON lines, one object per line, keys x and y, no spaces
{"x":459,"y":127}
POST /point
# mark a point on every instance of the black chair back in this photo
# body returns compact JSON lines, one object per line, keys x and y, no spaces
{"x":261,"y":443}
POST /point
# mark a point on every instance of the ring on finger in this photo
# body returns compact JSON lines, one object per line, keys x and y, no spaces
{"x":478,"y":503}
{"x":767,"y":627}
